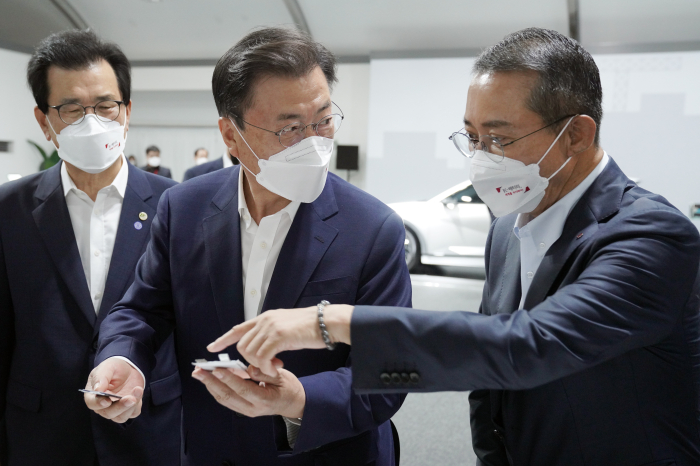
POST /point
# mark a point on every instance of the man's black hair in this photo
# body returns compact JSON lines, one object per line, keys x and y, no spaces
{"x":75,"y":50}
{"x":568,"y":79}
{"x":273,"y":51}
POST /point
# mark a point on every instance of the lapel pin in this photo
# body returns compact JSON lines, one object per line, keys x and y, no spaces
{"x":143,"y":216}
{"x":138,"y":225}
{"x":579,"y":236}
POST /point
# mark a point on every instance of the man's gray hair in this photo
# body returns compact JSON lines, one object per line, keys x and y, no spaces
{"x":568,"y":78}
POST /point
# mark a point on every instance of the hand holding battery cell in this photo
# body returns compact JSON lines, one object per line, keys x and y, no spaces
{"x":116,"y":377}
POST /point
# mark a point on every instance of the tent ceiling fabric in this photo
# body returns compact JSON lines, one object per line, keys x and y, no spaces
{"x":172,"y":30}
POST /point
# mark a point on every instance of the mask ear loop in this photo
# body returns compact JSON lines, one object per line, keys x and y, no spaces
{"x":550,"y":148}
{"x":246,"y":143}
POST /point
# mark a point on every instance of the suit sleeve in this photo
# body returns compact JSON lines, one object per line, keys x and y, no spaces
{"x":630,"y":292}
{"x":7,"y":343}
{"x":333,"y":410}
{"x":138,"y":325}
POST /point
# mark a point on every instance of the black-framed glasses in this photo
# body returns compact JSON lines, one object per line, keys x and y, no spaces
{"x":295,"y":132}
{"x":74,"y":114}
{"x":491,"y":145}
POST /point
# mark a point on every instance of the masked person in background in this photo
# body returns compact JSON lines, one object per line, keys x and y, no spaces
{"x":585,"y":351}
{"x":204,"y":166}
{"x":276,"y":231}
{"x":70,"y":238}
{"x":153,"y":162}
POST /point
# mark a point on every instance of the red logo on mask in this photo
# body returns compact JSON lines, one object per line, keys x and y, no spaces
{"x":105,"y":146}
{"x":527,"y":188}
{"x":498,"y":190}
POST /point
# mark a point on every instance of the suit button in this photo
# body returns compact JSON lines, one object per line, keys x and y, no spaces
{"x":415,"y":377}
{"x":405,"y":377}
{"x":386,"y":378}
{"x":395,"y":378}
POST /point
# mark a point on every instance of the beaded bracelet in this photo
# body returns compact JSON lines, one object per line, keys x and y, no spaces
{"x":324,"y":332}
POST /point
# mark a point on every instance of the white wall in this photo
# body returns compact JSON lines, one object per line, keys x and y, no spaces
{"x":651,"y":115}
{"x":173,"y":107}
{"x":17,"y":123}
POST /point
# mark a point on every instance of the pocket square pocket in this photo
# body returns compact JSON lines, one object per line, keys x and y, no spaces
{"x":332,"y":286}
{"x":24,"y":396}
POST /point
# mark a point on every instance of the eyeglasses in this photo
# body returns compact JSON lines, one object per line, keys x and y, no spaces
{"x":74,"y":114}
{"x":492,"y":146}
{"x":295,"y":132}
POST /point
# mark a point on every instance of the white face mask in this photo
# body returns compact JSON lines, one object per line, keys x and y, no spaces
{"x":201,"y":160}
{"x":153,"y":161}
{"x":93,"y":145}
{"x":297,"y":173}
{"x":510,"y":186}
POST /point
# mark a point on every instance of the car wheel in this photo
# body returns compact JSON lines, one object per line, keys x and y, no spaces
{"x":411,"y":250}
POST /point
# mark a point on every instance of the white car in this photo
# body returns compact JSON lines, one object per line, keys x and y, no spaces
{"x":448,"y":231}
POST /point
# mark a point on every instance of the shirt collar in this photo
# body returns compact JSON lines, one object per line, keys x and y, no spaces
{"x":290,"y":210}
{"x":227,"y":160}
{"x":547,"y":226}
{"x":119,"y":182}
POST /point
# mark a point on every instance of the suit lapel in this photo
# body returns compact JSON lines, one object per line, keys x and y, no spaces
{"x":580,"y":222}
{"x":509,"y":299}
{"x":307,"y":242}
{"x":53,"y":221}
{"x":599,"y":202}
{"x":222,"y":242}
{"x":130,"y":241}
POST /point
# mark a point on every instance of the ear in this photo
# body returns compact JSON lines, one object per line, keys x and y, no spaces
{"x":581,"y":134}
{"x":41,"y":119}
{"x":128,"y":117}
{"x":230,"y":136}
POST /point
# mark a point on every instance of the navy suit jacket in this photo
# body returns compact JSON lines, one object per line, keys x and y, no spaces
{"x":162,"y":171}
{"x":601,"y":367}
{"x":345,"y":247}
{"x":48,"y":333}
{"x":204,"y":168}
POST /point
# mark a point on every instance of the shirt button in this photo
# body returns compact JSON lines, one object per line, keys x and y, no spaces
{"x":253,"y":292}
{"x":97,"y":253}
{"x":530,"y":275}
{"x":542,"y":245}
{"x":98,"y":295}
{"x":263,"y":245}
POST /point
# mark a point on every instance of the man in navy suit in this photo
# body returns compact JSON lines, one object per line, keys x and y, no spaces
{"x":70,"y":238}
{"x":153,"y":163}
{"x":585,"y":351}
{"x":277,"y":231}
{"x":224,"y":161}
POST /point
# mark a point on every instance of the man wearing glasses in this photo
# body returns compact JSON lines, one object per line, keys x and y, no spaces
{"x":585,"y":351}
{"x":70,"y":238}
{"x":276,"y":231}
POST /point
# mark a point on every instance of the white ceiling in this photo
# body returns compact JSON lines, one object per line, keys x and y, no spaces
{"x":202,"y":30}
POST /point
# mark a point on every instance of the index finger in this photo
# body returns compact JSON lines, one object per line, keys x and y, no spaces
{"x":231,"y":337}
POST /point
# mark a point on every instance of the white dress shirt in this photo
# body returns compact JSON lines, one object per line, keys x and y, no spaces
{"x":260,"y":248}
{"x":95,"y":226}
{"x":537,"y":235}
{"x":227,"y":160}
